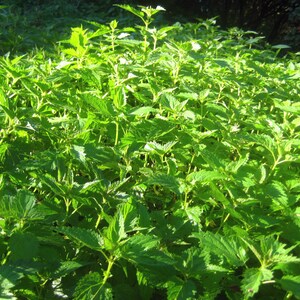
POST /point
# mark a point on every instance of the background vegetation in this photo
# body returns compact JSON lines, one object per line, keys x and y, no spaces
{"x":37,"y":22}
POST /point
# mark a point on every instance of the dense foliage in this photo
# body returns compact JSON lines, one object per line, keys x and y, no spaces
{"x":150,"y":163}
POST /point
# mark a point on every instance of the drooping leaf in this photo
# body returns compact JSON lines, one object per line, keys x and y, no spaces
{"x":87,"y":237}
{"x":252,"y":279}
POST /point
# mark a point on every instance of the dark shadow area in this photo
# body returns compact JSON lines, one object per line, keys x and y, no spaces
{"x":26,"y":25}
{"x":277,"y":20}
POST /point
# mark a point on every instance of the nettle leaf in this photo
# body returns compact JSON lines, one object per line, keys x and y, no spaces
{"x":277,"y":191}
{"x":159,"y":148}
{"x":52,"y":184}
{"x":19,"y":206}
{"x":169,"y":101}
{"x":182,"y":290}
{"x":211,"y":158}
{"x":252,"y":279}
{"x":167,"y":181}
{"x":143,"y":111}
{"x":193,"y":262}
{"x":79,"y":153}
{"x":274,"y":252}
{"x":264,"y":140}
{"x":66,"y":267}
{"x":23,"y":246}
{"x":124,"y":221}
{"x":131,"y":9}
{"x":91,"y":287}
{"x":223,"y":246}
{"x":291,"y":284}
{"x":194,"y":214}
{"x":142,"y":251}
{"x":288,"y":106}
{"x":87,"y":237}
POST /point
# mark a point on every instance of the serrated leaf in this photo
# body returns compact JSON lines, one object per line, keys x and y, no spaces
{"x":167,"y":181}
{"x":19,"y":206}
{"x":182,"y":290}
{"x":131,"y":9}
{"x":160,"y":149}
{"x":66,"y":267}
{"x":141,"y":250}
{"x":222,"y":246}
{"x":252,"y":279}
{"x":52,"y":184}
{"x":277,"y":191}
{"x":79,"y":152}
{"x":90,"y":287}
{"x":87,"y":237}
{"x":274,"y":252}
{"x":194,"y":213}
{"x":124,"y":220}
{"x":211,"y":158}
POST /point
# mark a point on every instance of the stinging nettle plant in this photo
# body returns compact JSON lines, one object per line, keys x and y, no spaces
{"x":170,"y":175}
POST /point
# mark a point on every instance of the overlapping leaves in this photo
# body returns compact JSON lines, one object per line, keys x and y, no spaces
{"x":160,"y":162}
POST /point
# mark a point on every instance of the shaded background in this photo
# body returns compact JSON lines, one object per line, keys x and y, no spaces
{"x":31,"y":23}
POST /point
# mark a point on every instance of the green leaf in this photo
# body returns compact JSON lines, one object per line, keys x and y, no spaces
{"x":87,"y":237}
{"x":141,"y":250}
{"x":291,"y":284}
{"x":124,"y":221}
{"x":277,"y":191}
{"x":185,"y":290}
{"x":90,"y":287}
{"x":167,"y":181}
{"x":23,"y":246}
{"x":66,"y":267}
{"x":79,"y":153}
{"x":19,"y":206}
{"x":223,"y":246}
{"x":134,"y":11}
{"x":159,"y":148}
{"x":142,"y":111}
{"x":52,"y":184}
{"x":9,"y":276}
{"x":211,"y":158}
{"x":252,"y":279}
{"x":281,"y":46}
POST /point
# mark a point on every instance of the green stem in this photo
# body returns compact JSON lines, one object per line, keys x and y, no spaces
{"x":111,"y":262}
{"x":117,"y":133}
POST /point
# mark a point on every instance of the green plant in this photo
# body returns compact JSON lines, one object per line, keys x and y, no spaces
{"x":144,"y":164}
